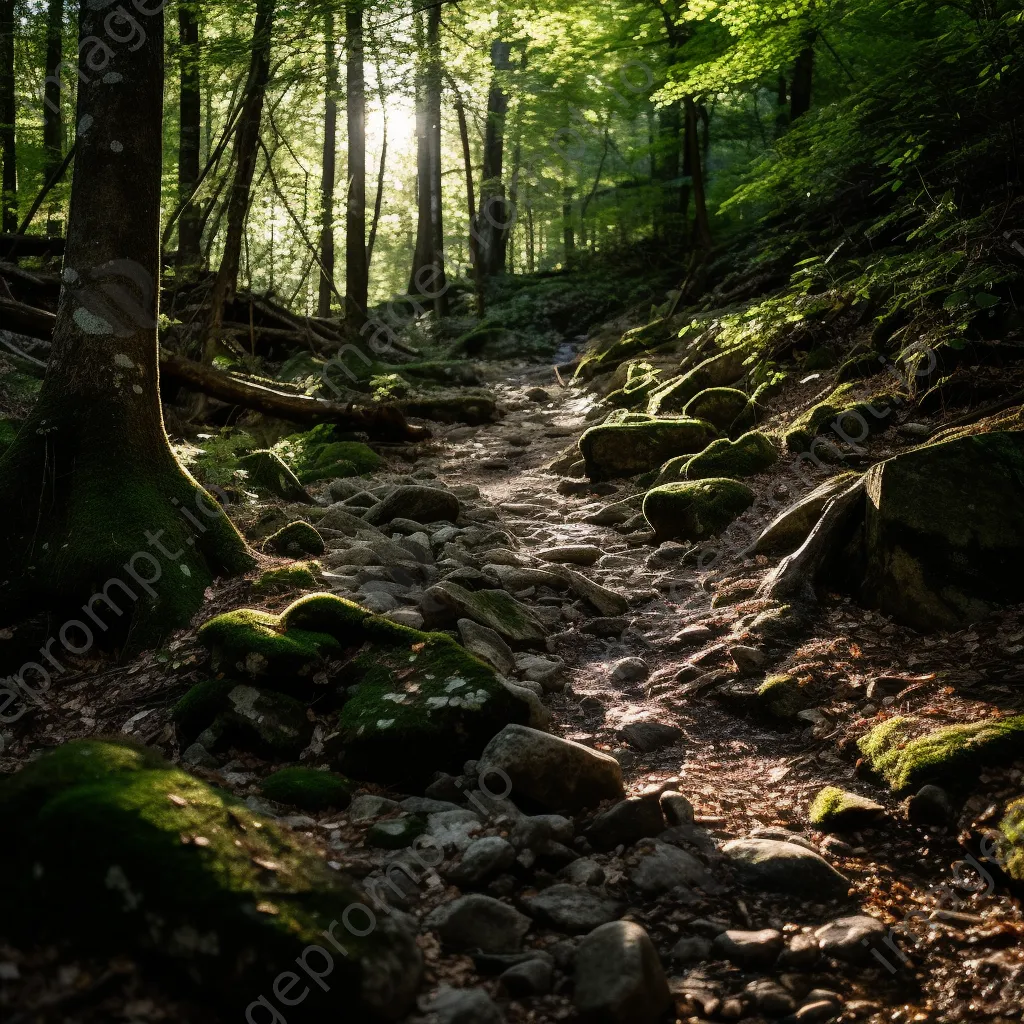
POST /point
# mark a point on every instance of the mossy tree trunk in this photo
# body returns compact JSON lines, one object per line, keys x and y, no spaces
{"x":94,"y":499}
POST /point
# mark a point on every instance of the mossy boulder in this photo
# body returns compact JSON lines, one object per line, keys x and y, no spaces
{"x":945,"y":530}
{"x":263,"y":721}
{"x":641,"y":378}
{"x":836,"y":810}
{"x":717,"y":371}
{"x":845,"y":421}
{"x":267,"y":473}
{"x":308,"y":788}
{"x":323,"y":453}
{"x":298,"y":576}
{"x":626,"y":449}
{"x":1010,"y":845}
{"x":695,"y":510}
{"x":417,"y":502}
{"x":637,"y":340}
{"x":396,"y":833}
{"x":907,"y":762}
{"x":496,"y":609}
{"x":295,"y":539}
{"x":781,"y":697}
{"x":164,"y":865}
{"x":728,"y":409}
{"x":752,"y":453}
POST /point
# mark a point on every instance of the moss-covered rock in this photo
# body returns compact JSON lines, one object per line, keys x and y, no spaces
{"x":792,"y":527}
{"x":728,"y":409}
{"x":496,"y":609}
{"x":263,"y":721}
{"x":641,"y":378}
{"x":637,"y":340}
{"x":695,"y":510}
{"x":298,"y":576}
{"x":166,"y":865}
{"x":1010,"y":845}
{"x":945,"y":530}
{"x":836,"y":810}
{"x":626,"y":449}
{"x":267,"y":473}
{"x":295,"y":539}
{"x":845,"y":420}
{"x":752,"y":453}
{"x":781,"y":697}
{"x":323,"y":453}
{"x":906,"y":762}
{"x":396,"y":833}
{"x":461,"y":406}
{"x":200,"y":706}
{"x":308,"y":788}
{"x":717,"y":371}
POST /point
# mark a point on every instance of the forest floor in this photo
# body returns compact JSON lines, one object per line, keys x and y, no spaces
{"x":962,"y":954}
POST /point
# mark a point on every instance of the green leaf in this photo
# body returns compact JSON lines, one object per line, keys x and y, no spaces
{"x":986,"y":300}
{"x":955,"y":300}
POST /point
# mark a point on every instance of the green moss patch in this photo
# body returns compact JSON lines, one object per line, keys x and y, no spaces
{"x":298,"y":538}
{"x":695,"y":510}
{"x":716,"y":371}
{"x":942,"y":755}
{"x":308,"y":788}
{"x":628,"y":448}
{"x":835,"y":809}
{"x":752,"y":453}
{"x":324,"y":454}
{"x":298,"y":576}
{"x":1011,"y":841}
{"x":164,"y":863}
{"x":726,"y":408}
{"x":781,"y":696}
{"x":267,"y":473}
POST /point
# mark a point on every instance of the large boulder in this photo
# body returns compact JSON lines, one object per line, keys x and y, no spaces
{"x":944,"y":530}
{"x":636,"y":446}
{"x":555,"y":773}
{"x":695,"y":510}
{"x":112,"y":849}
{"x":785,"y":867}
{"x":716,"y":371}
{"x":416,"y":502}
{"x":729,"y":409}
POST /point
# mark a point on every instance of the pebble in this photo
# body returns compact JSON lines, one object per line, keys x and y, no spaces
{"x":629,"y":670}
{"x":572,"y":908}
{"x":574,"y":554}
{"x":465,"y":1006}
{"x":479,"y":922}
{"x":532,"y":978}
{"x":850,"y":938}
{"x":650,"y":736}
{"x":750,"y":949}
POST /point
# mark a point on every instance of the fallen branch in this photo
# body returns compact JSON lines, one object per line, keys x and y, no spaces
{"x":23,"y":319}
{"x":383,"y":421}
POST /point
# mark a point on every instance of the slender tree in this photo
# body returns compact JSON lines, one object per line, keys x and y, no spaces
{"x":803,"y":77}
{"x":356,"y":268}
{"x":53,"y":119}
{"x":8,"y":117}
{"x":493,"y":208}
{"x":701,"y":224}
{"x":95,"y":499}
{"x":189,"y":137}
{"x":329,"y":171}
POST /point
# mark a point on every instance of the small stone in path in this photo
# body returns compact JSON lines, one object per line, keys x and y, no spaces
{"x":750,"y":949}
{"x":850,"y":938}
{"x":406,"y":617}
{"x":606,"y":626}
{"x":574,"y":554}
{"x":367,"y":806}
{"x":482,"y":860}
{"x":785,"y":867}
{"x":532,"y":978}
{"x":485,"y":643}
{"x":629,"y":670}
{"x":479,"y":922}
{"x":619,"y":978}
{"x":625,"y":823}
{"x":465,"y":1006}
{"x":661,"y":868}
{"x":690,"y":948}
{"x":749,"y":660}
{"x":818,"y":1012}
{"x":574,"y":909}
{"x":584,"y":872}
{"x":650,"y":736}
{"x":770,"y":997}
{"x":495,"y":464}
{"x":930,"y":805}
{"x":676,"y":808}
{"x":538,"y":395}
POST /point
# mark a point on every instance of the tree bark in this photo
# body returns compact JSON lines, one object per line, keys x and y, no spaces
{"x":93,"y":488}
{"x":568,"y":233}
{"x":53,"y":119}
{"x":246,"y":147}
{"x":803,"y":76}
{"x":190,"y":117}
{"x":356,"y":269}
{"x":701,"y":225}
{"x":8,"y":117}
{"x":493,"y":213}
{"x":329,"y":171}
{"x":467,"y":163}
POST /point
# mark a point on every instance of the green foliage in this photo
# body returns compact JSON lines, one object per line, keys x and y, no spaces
{"x":308,"y":788}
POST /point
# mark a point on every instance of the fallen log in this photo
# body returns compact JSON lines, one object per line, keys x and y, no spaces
{"x":16,"y":316}
{"x":30,"y":245}
{"x":379,"y":421}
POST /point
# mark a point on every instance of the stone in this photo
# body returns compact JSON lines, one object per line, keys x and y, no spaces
{"x":465,"y":1006}
{"x":572,"y":908}
{"x":850,"y":938}
{"x":479,"y":922}
{"x":749,"y":660}
{"x":396,"y":833}
{"x":944,"y":529}
{"x":725,"y":408}
{"x":785,"y":867}
{"x":550,"y":771}
{"x":453,"y":830}
{"x":629,"y":670}
{"x":619,"y":978}
{"x":266,"y":472}
{"x":695,"y":510}
{"x":294,"y":540}
{"x":409,"y":617}
{"x":416,"y":502}
{"x":482,"y":860}
{"x":690,"y":948}
{"x":367,"y":806}
{"x":801,"y":951}
{"x":531,"y":978}
{"x":546,"y":671}
{"x":626,"y":449}
{"x":659,"y":868}
{"x":677,"y":809}
{"x":487,"y":644}
{"x":271,"y":722}
{"x":836,"y":810}
{"x":930,"y":805}
{"x":790,"y":529}
{"x":650,"y":736}
{"x":625,"y":823}
{"x":197,"y":756}
{"x":604,"y":600}
{"x":583,"y":871}
{"x":497,"y":610}
{"x":750,"y":949}
{"x":574,"y":554}
{"x":770,"y":997}
{"x":820,"y":1011}
{"x":606,"y":626}
{"x":538,"y":395}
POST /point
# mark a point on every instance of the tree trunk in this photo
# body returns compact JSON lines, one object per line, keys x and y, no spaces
{"x":428,"y":276}
{"x":246,"y":147}
{"x":96,"y":502}
{"x":53,"y":121}
{"x":356,"y":270}
{"x":329,"y":175}
{"x":189,"y":138}
{"x":568,"y":234}
{"x":781,"y":106}
{"x":493,"y":212}
{"x":701,"y":225}
{"x":803,"y":75}
{"x":8,"y":116}
{"x":423,"y":252}
{"x":474,"y":237}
